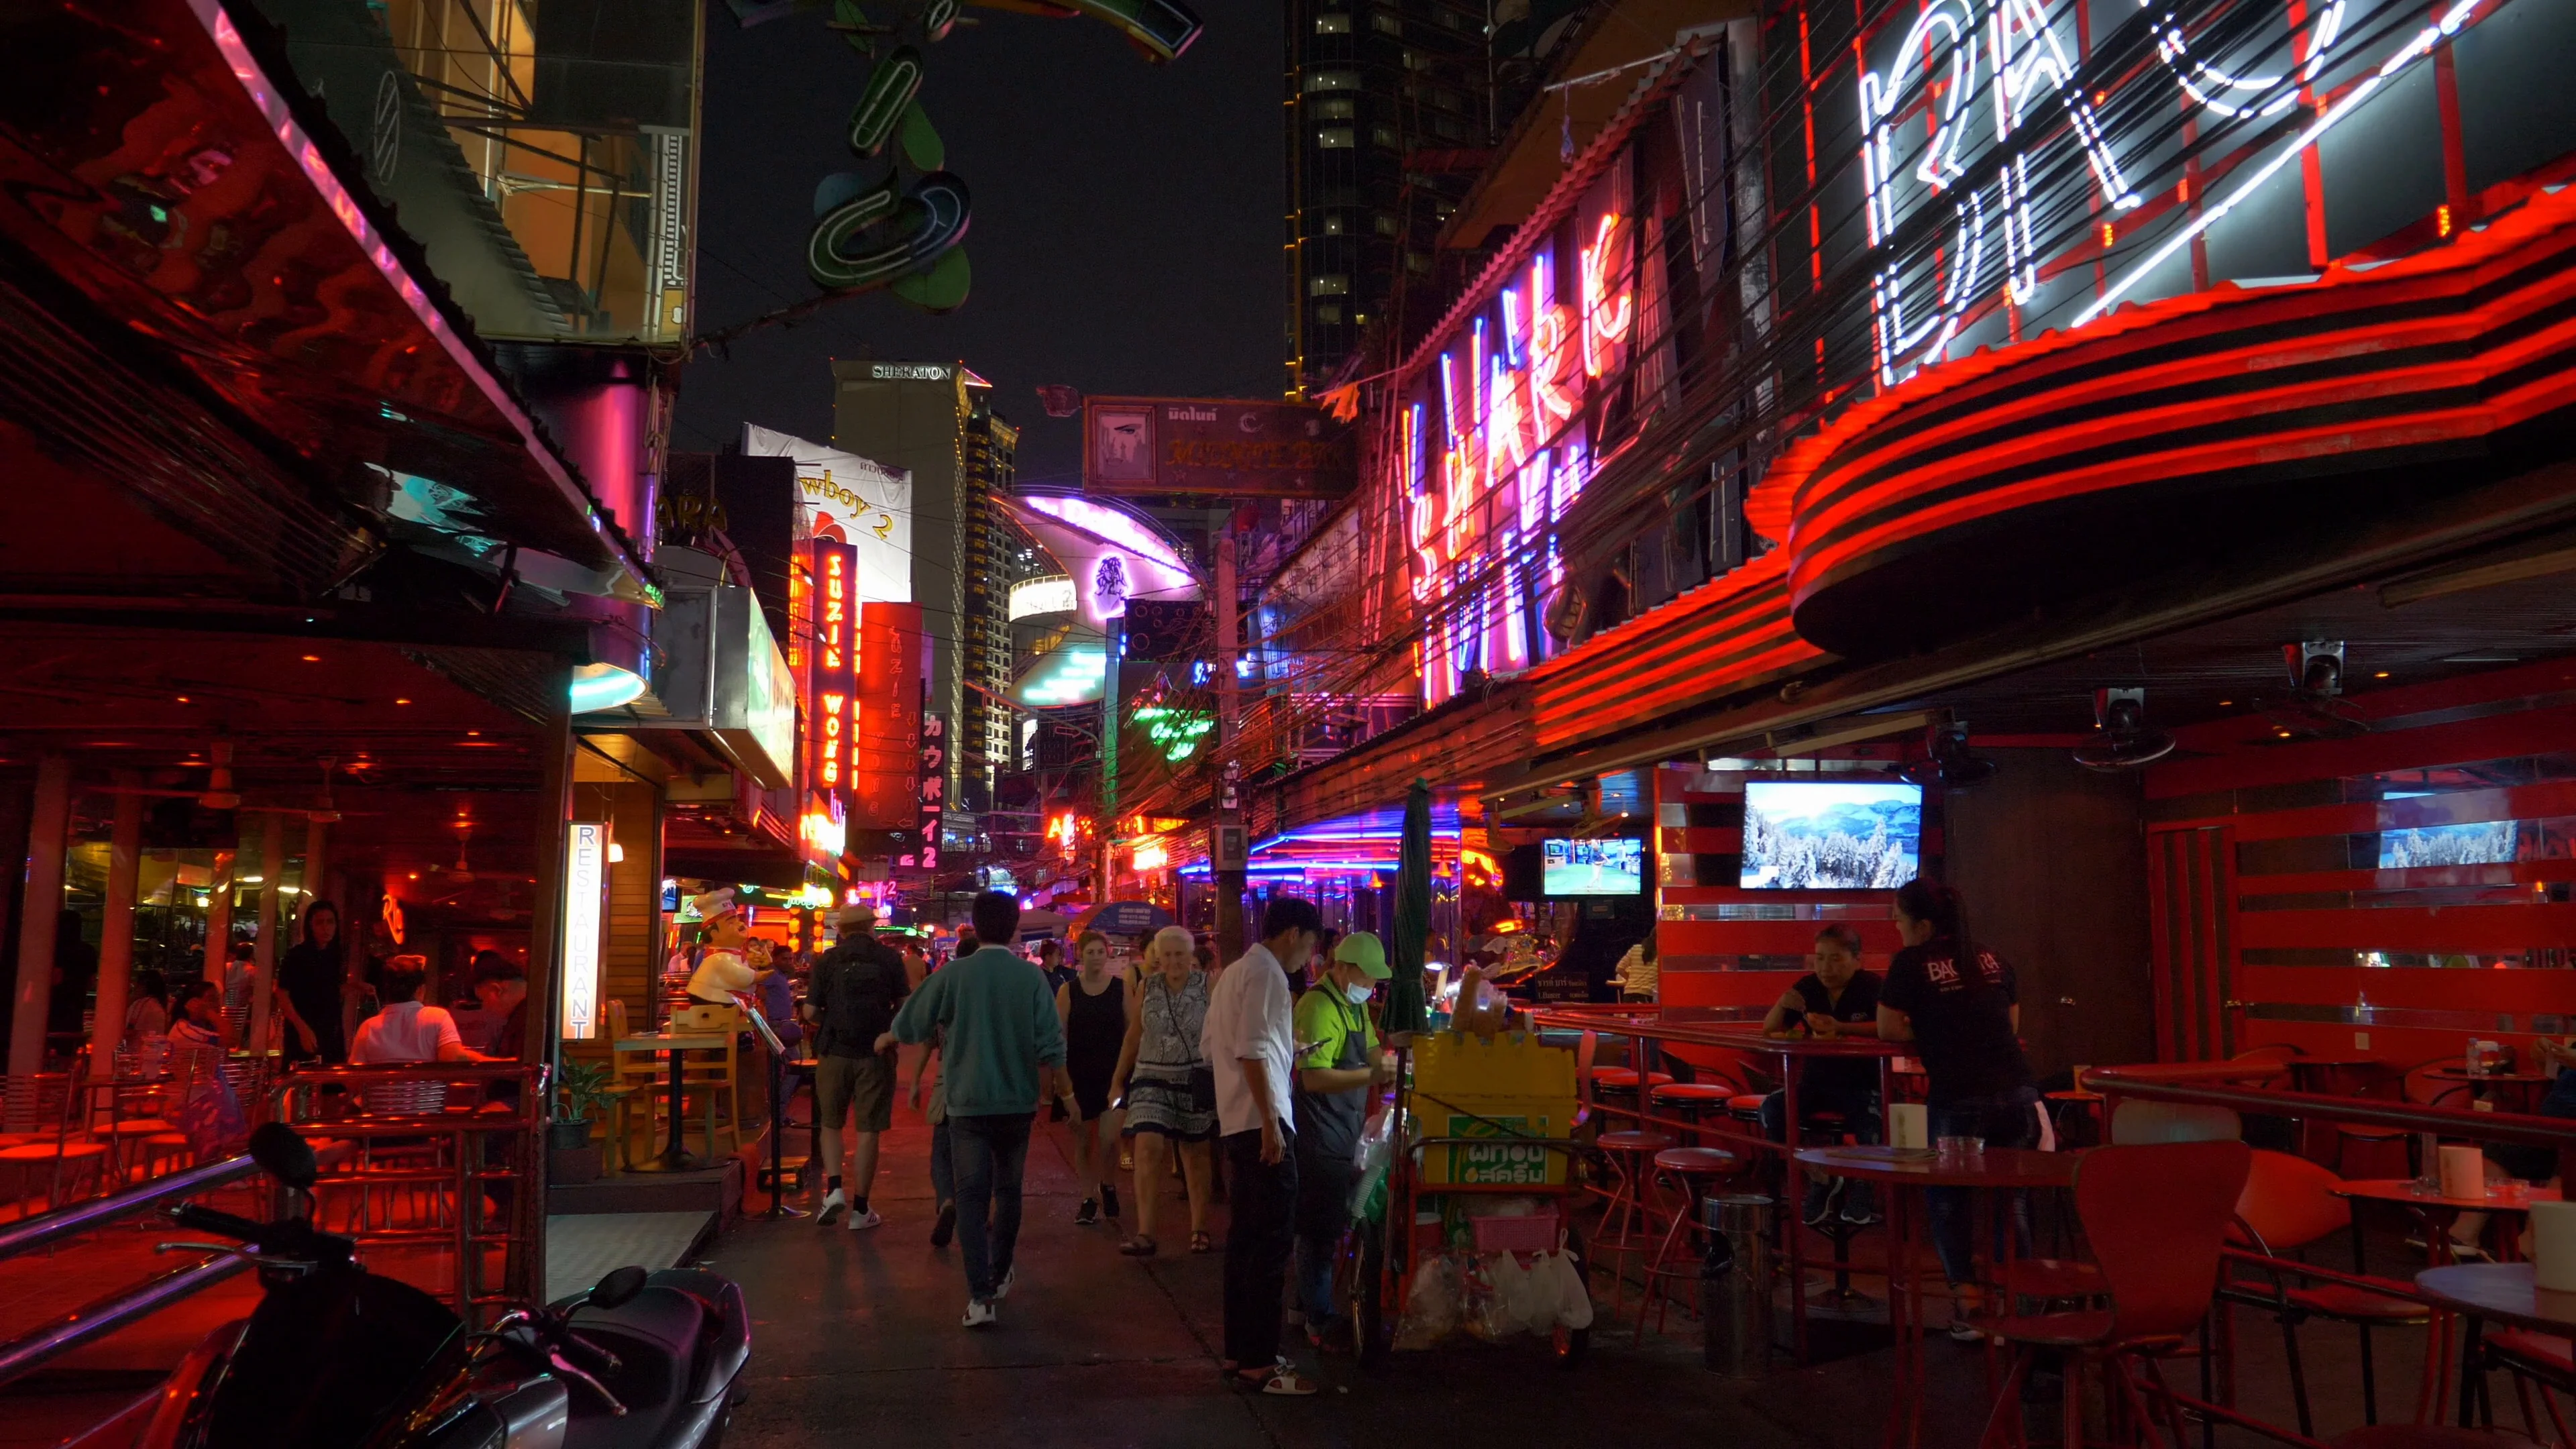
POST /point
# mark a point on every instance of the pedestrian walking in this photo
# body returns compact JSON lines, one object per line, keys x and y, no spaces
{"x":1093,"y":1008}
{"x":1164,"y":1084}
{"x":857,"y":987}
{"x":1002,"y":1049}
{"x":1250,"y":1045}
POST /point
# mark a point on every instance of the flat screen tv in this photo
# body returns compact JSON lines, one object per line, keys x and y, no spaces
{"x":1573,"y":869}
{"x":1830,"y":835}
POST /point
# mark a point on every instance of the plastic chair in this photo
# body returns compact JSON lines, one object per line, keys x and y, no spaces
{"x":2156,"y":1215}
{"x":2288,"y":1204}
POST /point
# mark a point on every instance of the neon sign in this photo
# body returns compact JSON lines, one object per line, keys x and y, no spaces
{"x":832,"y":713}
{"x":1498,"y":447}
{"x":1926,"y":134}
{"x":1176,"y":732}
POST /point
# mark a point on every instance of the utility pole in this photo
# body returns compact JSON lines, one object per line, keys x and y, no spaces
{"x":1112,"y":647}
{"x":1226,"y":854}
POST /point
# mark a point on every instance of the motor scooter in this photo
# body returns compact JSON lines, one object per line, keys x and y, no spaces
{"x":336,"y":1357}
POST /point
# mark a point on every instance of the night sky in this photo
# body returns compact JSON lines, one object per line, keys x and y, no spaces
{"x":1125,"y":233}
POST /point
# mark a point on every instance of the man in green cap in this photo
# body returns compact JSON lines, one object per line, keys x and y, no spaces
{"x":1339,"y":1066}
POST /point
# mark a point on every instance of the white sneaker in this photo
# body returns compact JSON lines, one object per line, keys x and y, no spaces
{"x":979,"y":1313}
{"x":861,"y":1222}
{"x":834,"y":1203}
{"x":1002,"y":1289}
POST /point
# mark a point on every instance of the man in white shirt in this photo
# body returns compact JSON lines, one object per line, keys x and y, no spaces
{"x":407,"y":1031}
{"x":1250,"y":1043}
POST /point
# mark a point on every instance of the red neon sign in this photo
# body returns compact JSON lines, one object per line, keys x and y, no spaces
{"x":832,"y":716}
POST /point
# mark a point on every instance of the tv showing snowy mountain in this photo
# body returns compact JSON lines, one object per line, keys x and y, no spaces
{"x":1828,"y":835}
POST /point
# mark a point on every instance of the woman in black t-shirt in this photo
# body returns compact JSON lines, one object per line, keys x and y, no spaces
{"x":1963,"y":1022}
{"x":1837,"y":998}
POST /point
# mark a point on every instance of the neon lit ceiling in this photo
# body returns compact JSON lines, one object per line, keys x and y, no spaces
{"x":1111,"y":553}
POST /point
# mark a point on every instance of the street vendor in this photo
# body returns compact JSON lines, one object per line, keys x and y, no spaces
{"x":1338,"y":1064}
{"x":723,"y":970}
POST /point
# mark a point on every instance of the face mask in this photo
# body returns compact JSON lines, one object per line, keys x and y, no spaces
{"x":1358,"y":993}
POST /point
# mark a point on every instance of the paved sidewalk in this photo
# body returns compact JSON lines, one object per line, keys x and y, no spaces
{"x":856,"y":1335}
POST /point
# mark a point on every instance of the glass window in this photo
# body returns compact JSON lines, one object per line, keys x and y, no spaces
{"x":1333,"y":108}
{"x":1385,"y":224}
{"x":1329,"y":285}
{"x":1386,"y":22}
{"x":1332,"y":80}
{"x":1333,"y":225}
{"x":1328,"y":312}
{"x":1383,"y":135}
{"x":1336,"y":138}
{"x":1332,"y":25}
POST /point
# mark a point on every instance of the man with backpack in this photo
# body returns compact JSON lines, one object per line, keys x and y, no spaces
{"x":857,"y":986}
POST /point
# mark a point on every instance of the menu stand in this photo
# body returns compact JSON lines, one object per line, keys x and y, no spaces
{"x":775,"y":1172}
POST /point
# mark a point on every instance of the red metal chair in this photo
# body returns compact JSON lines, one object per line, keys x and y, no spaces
{"x":2156,"y":1216}
{"x":1628,"y":1212}
{"x":1688,"y":1172}
{"x":2288,"y":1204}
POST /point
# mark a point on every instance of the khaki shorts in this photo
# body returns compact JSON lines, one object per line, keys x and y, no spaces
{"x":865,"y":1084}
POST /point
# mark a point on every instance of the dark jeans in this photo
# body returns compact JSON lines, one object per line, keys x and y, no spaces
{"x":2008,"y":1119}
{"x":943,"y":1164}
{"x":1859,"y":1109}
{"x":1323,"y":1211}
{"x":1258,"y":1239}
{"x":989,"y":1152}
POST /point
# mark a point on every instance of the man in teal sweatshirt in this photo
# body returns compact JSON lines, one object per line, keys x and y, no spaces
{"x":1002,"y":1050}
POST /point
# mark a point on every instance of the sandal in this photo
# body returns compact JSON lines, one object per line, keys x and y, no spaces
{"x":1281,"y":1379}
{"x":1138,"y":1246}
{"x":1202,"y":1243}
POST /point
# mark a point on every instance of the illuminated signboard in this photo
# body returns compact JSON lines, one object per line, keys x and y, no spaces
{"x":885,"y":766}
{"x":934,"y":790}
{"x":831,"y":711}
{"x":1496,"y":438}
{"x":1912,"y":183}
{"x":1176,"y":732}
{"x":1042,"y":596}
{"x":1214,"y":447}
{"x":585,"y":885}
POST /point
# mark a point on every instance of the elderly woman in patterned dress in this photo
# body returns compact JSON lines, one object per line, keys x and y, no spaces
{"x":1170,"y":1095}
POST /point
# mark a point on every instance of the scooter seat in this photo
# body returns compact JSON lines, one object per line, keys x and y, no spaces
{"x":659,"y":1314}
{"x":656,"y":1337}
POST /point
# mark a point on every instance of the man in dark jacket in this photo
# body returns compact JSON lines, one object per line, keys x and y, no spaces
{"x":857,"y":986}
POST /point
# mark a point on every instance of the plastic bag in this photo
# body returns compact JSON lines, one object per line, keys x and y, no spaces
{"x":1528,"y":1296}
{"x":1432,"y":1305}
{"x":1497,"y":1292}
{"x":1571,"y":1298}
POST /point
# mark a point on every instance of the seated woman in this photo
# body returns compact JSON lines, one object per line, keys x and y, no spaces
{"x":1835,"y":999}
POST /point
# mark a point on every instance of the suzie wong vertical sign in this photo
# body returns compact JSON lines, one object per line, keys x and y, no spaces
{"x":831,"y":712}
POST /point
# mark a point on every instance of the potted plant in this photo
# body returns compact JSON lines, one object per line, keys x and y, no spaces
{"x":582,"y":1090}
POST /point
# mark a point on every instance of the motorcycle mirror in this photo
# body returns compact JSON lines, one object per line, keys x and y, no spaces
{"x":615,"y":1289}
{"x":286,"y":1156}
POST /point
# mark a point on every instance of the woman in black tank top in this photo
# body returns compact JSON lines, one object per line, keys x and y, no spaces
{"x":1093,"y":1007}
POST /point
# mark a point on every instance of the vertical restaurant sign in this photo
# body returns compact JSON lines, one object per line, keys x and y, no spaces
{"x":934,"y":788}
{"x":885,"y":764}
{"x":832,"y":705}
{"x":585,"y":886}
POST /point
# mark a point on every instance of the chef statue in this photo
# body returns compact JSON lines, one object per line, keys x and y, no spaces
{"x":732,"y":963}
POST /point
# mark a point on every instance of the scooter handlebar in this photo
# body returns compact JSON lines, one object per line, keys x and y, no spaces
{"x":208,"y":1220}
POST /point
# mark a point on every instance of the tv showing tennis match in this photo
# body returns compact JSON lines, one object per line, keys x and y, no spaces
{"x":1593,"y":867}
{"x":1829,"y":835}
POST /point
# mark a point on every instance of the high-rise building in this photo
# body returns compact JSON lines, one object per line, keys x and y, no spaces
{"x":936,"y":419}
{"x":1389,"y":116}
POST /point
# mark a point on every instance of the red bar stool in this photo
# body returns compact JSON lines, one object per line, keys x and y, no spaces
{"x":1691,"y":1172}
{"x":1693,"y":1102}
{"x":1615,"y":1088}
{"x":1627,"y":1218}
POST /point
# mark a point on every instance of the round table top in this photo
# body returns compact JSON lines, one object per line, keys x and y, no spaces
{"x":2500,"y":1293}
{"x":2463,"y":1074}
{"x":2357,"y":1060}
{"x":2506,"y":1197}
{"x":2078,"y":1095}
{"x":1924,"y":1167}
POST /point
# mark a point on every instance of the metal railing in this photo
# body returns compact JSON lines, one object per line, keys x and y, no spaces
{"x":32,"y":1350}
